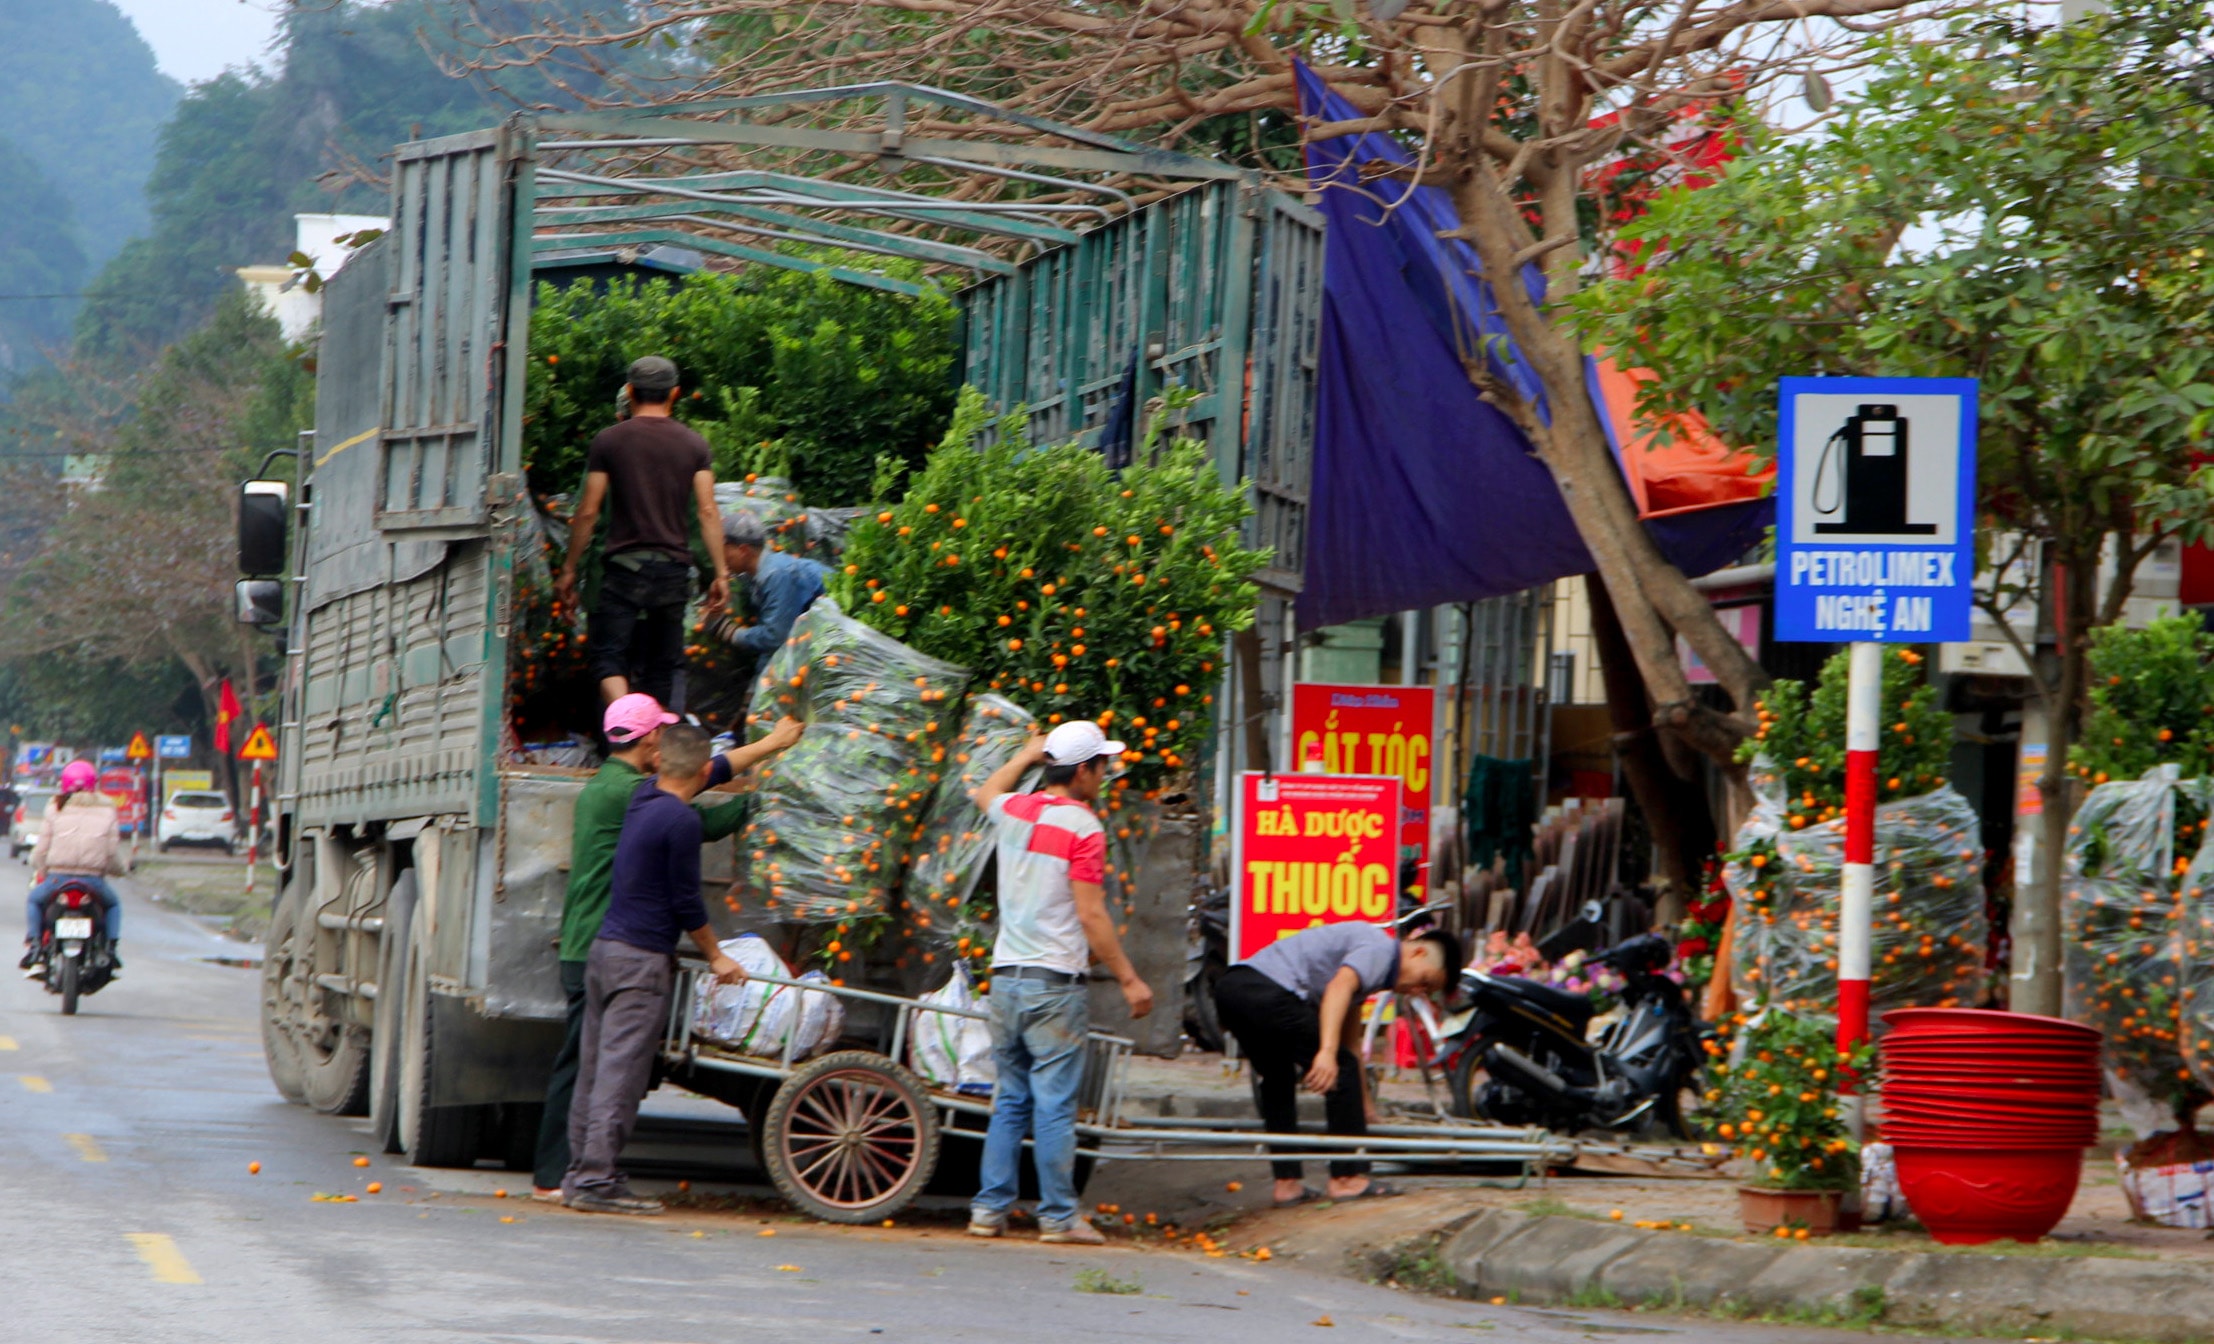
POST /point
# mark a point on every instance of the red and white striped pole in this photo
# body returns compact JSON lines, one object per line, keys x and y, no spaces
{"x":1856,"y":908}
{"x":253,"y":836}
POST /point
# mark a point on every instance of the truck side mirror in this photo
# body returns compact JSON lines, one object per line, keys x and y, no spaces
{"x":261,"y":528}
{"x":260,"y":602}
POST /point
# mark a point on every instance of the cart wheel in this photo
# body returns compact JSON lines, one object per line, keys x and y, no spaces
{"x":851,"y":1138}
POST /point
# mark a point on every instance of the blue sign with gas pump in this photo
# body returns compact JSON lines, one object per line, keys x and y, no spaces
{"x":1875,"y":510}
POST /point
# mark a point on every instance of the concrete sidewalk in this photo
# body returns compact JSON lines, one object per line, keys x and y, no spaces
{"x":1560,"y":1244}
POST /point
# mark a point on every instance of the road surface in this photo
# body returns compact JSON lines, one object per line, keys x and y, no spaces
{"x":128,"y":1213}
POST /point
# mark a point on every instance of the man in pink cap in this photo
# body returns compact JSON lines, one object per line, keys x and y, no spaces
{"x":1053,"y":922}
{"x":633,"y":725}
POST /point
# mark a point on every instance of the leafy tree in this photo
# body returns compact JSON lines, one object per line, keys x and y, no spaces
{"x":39,"y":256}
{"x":838,"y":373}
{"x":82,"y":100}
{"x":247,"y":150}
{"x":2151,"y":696}
{"x":133,"y":569}
{"x":2024,"y":206}
{"x":1516,"y":107}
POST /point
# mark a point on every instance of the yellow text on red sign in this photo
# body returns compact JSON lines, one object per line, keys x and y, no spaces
{"x":1312,"y":849}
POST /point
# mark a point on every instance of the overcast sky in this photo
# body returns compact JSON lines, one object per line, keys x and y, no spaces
{"x":200,"y":39}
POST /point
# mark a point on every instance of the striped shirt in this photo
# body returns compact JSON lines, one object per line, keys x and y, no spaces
{"x":1046,"y":842}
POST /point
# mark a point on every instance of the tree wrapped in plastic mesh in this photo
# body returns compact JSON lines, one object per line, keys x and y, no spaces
{"x":2123,"y":937}
{"x":1785,"y":874}
{"x":835,"y":815}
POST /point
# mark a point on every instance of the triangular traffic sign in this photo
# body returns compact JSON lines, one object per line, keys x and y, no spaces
{"x":259,"y":746}
{"x":140,"y":749}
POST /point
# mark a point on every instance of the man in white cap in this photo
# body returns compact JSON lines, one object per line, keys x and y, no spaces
{"x":1053,"y":922}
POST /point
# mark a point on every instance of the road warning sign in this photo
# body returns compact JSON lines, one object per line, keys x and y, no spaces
{"x":140,"y":749}
{"x":259,"y":745}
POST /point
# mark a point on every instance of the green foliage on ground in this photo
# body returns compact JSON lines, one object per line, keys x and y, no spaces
{"x":777,"y":366}
{"x":2152,"y":701}
{"x":1073,"y":590}
{"x":1804,"y":736}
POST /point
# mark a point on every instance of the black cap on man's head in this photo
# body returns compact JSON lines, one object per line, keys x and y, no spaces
{"x":653,"y":374}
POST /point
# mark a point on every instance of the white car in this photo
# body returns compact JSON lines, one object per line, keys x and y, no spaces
{"x":30,"y":809}
{"x":194,"y":817}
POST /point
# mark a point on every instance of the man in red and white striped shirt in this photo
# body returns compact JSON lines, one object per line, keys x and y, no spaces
{"x":1053,"y":922}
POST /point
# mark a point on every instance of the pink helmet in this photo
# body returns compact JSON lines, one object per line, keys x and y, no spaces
{"x":78,"y":776}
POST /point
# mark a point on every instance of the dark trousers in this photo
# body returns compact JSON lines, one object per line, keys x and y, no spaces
{"x":553,"y":1130}
{"x":626,"y":1013}
{"x":638,"y":623}
{"x":1280,"y":1033}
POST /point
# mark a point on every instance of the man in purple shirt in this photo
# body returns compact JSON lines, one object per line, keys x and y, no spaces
{"x":653,"y":903}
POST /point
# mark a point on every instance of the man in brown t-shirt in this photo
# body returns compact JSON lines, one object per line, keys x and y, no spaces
{"x":648,"y":470}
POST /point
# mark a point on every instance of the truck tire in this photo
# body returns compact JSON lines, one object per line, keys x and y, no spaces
{"x":386,"y":1042}
{"x":430,"y":1136}
{"x":278,"y":1049}
{"x":851,"y":1137}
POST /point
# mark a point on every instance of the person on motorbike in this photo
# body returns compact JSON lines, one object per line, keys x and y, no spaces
{"x":1295,"y":1008}
{"x":79,"y":841}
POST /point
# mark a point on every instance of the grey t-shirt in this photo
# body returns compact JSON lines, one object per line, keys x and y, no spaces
{"x":1305,"y":962}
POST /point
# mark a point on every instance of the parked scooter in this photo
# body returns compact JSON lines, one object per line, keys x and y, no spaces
{"x":75,"y":951}
{"x":1206,"y":957}
{"x":1518,"y":1052}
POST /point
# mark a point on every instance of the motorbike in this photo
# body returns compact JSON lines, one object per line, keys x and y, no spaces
{"x":1517,"y":1052}
{"x":1206,"y":957}
{"x":75,"y":951}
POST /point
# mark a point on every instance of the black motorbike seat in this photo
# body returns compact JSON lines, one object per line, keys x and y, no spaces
{"x":1574,"y":1007}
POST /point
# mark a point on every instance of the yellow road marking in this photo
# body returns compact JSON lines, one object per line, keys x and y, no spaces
{"x":32,"y":1082}
{"x":163,"y":1258}
{"x":87,"y":1147}
{"x":7,"y":1042}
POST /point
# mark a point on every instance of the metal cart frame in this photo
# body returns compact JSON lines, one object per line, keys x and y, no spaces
{"x":853,"y":1135}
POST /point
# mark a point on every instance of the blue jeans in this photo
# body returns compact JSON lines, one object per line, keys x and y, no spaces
{"x":1038,"y":1031}
{"x":111,"y":906}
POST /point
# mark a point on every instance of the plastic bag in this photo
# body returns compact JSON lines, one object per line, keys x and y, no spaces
{"x":948,"y":1050}
{"x":751,"y":1017}
{"x":2124,"y":964}
{"x":834,"y":816}
{"x":1930,"y":928}
{"x":754,"y":1018}
{"x":956,"y":845}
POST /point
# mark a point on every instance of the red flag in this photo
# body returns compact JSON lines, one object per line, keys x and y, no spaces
{"x":226,"y":714}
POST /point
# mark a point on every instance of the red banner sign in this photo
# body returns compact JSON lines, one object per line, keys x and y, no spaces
{"x":1373,"y":730}
{"x":1308,"y":850}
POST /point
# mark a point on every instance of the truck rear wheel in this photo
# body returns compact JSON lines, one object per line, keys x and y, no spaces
{"x":387,"y":1044}
{"x":278,"y":1049}
{"x":430,"y":1136}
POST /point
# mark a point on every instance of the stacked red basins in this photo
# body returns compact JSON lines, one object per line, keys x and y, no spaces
{"x":1988,"y":1115}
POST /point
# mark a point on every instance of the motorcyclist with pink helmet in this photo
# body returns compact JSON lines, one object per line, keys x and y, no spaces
{"x":79,"y":841}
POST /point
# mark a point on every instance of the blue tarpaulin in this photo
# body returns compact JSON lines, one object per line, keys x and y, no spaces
{"x":1425,"y":494}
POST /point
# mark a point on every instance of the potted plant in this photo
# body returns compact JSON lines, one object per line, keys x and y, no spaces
{"x":1774,"y":1099}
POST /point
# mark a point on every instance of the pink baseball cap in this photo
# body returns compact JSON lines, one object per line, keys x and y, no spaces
{"x":632,"y":717}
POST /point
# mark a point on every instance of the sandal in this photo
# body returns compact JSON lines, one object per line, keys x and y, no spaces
{"x":1375,"y":1189}
{"x":1307,"y":1195}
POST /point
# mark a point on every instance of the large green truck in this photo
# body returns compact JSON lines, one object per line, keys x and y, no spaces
{"x":410,"y":971}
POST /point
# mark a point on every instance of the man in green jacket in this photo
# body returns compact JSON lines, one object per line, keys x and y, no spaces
{"x":633,"y":727}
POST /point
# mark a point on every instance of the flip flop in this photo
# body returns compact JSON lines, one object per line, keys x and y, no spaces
{"x":1375,"y":1189}
{"x":1307,"y":1195}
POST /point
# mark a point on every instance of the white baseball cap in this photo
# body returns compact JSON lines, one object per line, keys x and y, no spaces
{"x":1078,"y":742}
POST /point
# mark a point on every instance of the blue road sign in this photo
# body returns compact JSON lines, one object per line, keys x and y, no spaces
{"x":173,"y":747}
{"x":114,"y":755}
{"x":1875,"y":510}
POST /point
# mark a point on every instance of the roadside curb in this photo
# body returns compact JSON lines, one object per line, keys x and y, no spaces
{"x":1554,"y":1258}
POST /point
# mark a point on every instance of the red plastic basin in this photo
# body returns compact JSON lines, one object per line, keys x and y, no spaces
{"x":1967,"y":1196}
{"x":1976,"y":1138}
{"x":1912,"y":1022}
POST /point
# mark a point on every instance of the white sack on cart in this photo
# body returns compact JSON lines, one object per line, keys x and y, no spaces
{"x":750,"y":1017}
{"x":822,"y":1018}
{"x":949,"y":1050}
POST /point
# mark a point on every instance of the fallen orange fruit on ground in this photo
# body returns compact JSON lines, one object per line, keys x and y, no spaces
{"x":376,"y":1187}
{"x":253,"y":1168}
{"x":1235,"y":1186}
{"x":361,"y":1161}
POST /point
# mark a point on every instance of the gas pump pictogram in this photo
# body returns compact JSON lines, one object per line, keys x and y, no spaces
{"x":1873,"y":471}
